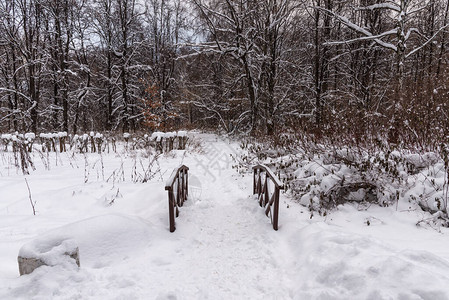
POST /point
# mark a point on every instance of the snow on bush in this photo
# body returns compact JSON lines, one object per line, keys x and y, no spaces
{"x":321,"y":177}
{"x":6,"y":136}
{"x":157,"y":135}
{"x":96,"y":141}
{"x":30,"y":136}
{"x":182,"y":133}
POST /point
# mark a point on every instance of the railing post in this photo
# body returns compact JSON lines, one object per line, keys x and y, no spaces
{"x":181,"y":187}
{"x":276,"y":208}
{"x":254,"y":181}
{"x":171,"y":210}
{"x":184,"y":197}
{"x":265,"y":191}
{"x":187,"y":184}
{"x":178,"y":198}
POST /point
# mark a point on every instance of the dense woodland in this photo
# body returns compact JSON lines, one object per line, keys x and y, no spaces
{"x":359,"y":70}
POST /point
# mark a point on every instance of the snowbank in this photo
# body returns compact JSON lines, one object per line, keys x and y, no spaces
{"x":223,"y":238}
{"x":101,"y":240}
{"x":335,"y":265}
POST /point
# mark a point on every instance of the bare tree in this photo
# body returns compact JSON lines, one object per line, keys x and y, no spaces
{"x":251,"y":34}
{"x":402,"y":37}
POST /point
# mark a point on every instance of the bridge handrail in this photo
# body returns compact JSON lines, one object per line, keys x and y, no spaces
{"x":175,"y":200}
{"x":265,"y":200}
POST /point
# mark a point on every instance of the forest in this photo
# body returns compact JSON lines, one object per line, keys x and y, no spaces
{"x":309,"y":140}
{"x":355,"y":71}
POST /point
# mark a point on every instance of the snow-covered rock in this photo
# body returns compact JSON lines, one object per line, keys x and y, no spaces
{"x":51,"y":250}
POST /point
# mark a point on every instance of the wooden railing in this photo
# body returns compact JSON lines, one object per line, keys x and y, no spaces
{"x":178,"y":189}
{"x":267,"y":198}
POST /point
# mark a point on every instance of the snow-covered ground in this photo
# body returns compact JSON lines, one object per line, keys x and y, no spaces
{"x":223,"y":248}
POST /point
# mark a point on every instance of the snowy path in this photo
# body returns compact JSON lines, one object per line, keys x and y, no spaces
{"x":223,"y":247}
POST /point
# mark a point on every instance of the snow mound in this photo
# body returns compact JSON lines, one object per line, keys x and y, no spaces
{"x":335,"y":265}
{"x":101,"y":241}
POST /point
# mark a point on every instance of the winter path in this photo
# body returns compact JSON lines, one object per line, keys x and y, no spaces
{"x":223,"y":247}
